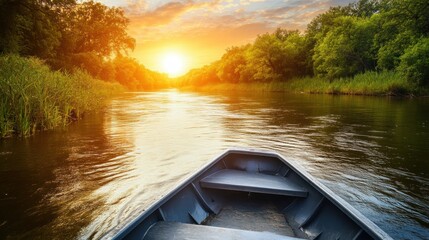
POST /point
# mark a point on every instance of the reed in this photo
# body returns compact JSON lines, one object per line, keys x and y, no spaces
{"x":369,"y":83}
{"x":35,"y":98}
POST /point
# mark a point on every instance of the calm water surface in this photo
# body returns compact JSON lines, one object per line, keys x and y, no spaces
{"x":83,"y":181}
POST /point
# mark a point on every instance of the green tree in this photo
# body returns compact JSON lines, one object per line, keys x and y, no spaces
{"x":128,"y":72}
{"x":346,"y":49}
{"x":389,"y":53}
{"x":232,"y":63}
{"x":415,"y":62}
{"x":411,"y":15}
{"x":278,"y":56}
{"x":29,"y":27}
{"x":108,"y":72}
{"x":321,"y":25}
{"x":317,"y":30}
{"x":89,"y":61}
{"x":94,"y":27}
{"x":400,"y":24}
{"x":365,"y":8}
{"x":201,"y":76}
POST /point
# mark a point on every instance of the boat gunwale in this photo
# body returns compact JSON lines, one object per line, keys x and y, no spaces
{"x":125,"y":229}
{"x":365,"y":223}
{"x":119,"y":232}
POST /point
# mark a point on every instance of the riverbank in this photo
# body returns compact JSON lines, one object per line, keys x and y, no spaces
{"x":369,"y":83}
{"x":35,"y":98}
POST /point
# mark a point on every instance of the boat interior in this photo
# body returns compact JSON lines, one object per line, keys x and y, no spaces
{"x":246,"y":196}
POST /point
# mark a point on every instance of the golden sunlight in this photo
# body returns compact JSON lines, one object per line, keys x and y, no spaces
{"x":173,"y":63}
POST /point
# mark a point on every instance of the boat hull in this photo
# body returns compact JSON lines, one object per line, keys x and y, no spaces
{"x":246,"y":193}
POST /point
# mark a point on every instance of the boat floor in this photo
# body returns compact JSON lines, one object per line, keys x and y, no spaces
{"x":184,"y":231}
{"x":248,"y":213}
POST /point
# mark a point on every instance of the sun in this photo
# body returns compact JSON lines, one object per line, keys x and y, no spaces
{"x":173,"y":63}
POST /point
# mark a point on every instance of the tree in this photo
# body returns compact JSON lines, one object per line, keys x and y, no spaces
{"x":278,"y":56}
{"x":294,"y":55}
{"x":389,"y":53}
{"x":346,"y":49}
{"x":231,"y":64}
{"x":365,"y":8}
{"x":412,"y":15}
{"x":415,"y":62}
{"x":400,"y":24}
{"x":93,"y":27}
{"x":317,"y":30}
{"x":321,"y":25}
{"x":63,"y":32}
{"x":128,"y":72}
{"x":89,"y":61}
{"x":29,"y":27}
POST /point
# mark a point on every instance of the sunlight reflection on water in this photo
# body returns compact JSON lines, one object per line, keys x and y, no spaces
{"x":171,"y":134}
{"x":107,"y":169}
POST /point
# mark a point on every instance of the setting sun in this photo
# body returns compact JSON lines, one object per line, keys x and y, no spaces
{"x":173,"y":64}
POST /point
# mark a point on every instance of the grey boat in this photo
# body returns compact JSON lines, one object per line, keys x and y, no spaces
{"x":248,"y":194}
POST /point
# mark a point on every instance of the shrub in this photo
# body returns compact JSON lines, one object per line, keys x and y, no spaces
{"x":35,"y":98}
{"x":414,"y":64}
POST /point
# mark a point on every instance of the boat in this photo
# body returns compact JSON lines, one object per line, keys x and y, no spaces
{"x":251,"y":194}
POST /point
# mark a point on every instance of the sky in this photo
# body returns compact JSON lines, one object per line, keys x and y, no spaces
{"x":196,"y":33}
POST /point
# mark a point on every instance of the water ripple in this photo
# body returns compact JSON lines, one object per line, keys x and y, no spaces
{"x":107,"y":169}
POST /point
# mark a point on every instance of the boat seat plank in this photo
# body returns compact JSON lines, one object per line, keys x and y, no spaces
{"x":229,"y":179}
{"x":175,"y":230}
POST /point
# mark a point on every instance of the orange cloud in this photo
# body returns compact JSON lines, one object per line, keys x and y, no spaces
{"x":204,"y":29}
{"x":164,"y":14}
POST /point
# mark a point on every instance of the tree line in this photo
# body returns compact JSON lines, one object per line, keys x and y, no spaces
{"x":70,"y":35}
{"x":368,"y":35}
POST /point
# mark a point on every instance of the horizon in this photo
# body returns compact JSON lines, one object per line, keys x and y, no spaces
{"x":164,"y":28}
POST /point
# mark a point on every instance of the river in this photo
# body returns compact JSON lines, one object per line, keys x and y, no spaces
{"x":81,"y":181}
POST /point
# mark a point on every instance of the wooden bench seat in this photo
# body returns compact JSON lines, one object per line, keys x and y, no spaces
{"x":177,"y":231}
{"x":229,"y":179}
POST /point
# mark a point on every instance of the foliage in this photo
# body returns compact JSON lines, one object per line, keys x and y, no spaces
{"x":200,"y":77}
{"x":49,"y":29}
{"x":367,"y":38}
{"x":278,"y":56}
{"x":415,"y":62}
{"x":134,"y":76}
{"x":96,"y":28}
{"x":232,"y":63}
{"x":71,"y":35}
{"x":400,"y":24}
{"x":317,"y":30}
{"x":36,"y":98}
{"x":29,"y":27}
{"x":346,"y":49}
{"x":389,"y":53}
{"x":368,"y":83}
{"x":412,"y":15}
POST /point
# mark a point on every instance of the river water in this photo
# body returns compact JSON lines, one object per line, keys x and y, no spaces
{"x":84,"y":180}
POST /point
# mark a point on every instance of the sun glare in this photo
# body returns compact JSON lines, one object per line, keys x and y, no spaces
{"x":173,"y":64}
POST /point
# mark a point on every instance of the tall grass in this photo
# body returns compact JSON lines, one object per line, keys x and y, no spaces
{"x":369,"y":83}
{"x":32,"y":97}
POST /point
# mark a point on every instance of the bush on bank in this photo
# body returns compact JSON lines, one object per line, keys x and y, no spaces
{"x":35,"y":98}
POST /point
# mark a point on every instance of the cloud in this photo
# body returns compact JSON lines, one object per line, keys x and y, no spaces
{"x":247,"y":2}
{"x":136,"y":6}
{"x":201,"y":45}
{"x":296,"y":14}
{"x":207,"y":27}
{"x":163,"y":14}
